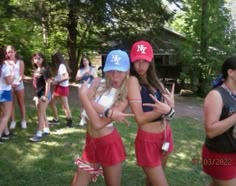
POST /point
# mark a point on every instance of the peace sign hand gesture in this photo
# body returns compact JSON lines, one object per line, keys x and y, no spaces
{"x":169,"y":96}
{"x":119,"y":116}
{"x":159,"y":107}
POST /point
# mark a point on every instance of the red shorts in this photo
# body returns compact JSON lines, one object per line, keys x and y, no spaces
{"x":61,"y":91}
{"x":220,"y":166}
{"x":107,"y":150}
{"x":148,"y":147}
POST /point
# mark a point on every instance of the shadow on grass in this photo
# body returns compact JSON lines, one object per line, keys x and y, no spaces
{"x":50,"y":162}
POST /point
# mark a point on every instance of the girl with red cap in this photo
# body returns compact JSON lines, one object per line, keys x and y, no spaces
{"x":152,"y":105}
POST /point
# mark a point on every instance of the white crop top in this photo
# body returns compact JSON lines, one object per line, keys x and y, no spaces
{"x":106,"y":100}
{"x":17,"y":72}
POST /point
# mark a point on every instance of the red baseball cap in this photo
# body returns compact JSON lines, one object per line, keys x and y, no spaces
{"x":141,"y":50}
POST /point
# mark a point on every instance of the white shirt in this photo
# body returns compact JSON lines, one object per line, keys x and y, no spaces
{"x":62,"y":70}
{"x":17,"y":73}
{"x":5,"y":71}
{"x":106,"y":100}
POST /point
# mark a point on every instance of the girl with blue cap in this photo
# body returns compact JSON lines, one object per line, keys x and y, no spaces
{"x":104,"y":102}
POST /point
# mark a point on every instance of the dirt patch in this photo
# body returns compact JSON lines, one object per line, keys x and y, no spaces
{"x":190,"y":107}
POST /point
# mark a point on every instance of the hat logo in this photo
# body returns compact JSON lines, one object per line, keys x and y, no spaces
{"x":116,"y":59}
{"x":142,"y":49}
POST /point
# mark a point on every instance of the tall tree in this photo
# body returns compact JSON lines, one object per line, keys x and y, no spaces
{"x":78,"y":27}
{"x":211,"y":37}
{"x":203,"y":43}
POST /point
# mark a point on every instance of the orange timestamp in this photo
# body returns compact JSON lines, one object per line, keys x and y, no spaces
{"x":212,"y":161}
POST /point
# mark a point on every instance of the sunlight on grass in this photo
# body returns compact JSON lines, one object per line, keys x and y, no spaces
{"x":181,"y":155}
{"x":66,"y":131}
{"x":51,"y":161}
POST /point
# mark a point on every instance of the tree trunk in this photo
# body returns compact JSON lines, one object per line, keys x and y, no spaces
{"x":71,"y":42}
{"x":203,"y":45}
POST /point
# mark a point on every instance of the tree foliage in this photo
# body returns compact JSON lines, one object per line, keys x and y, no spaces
{"x":78,"y":27}
{"x":207,"y":47}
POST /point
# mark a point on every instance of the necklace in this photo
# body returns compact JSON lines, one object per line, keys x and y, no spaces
{"x":230,"y":93}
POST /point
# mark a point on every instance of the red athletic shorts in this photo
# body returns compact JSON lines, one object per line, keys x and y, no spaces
{"x":61,"y":91}
{"x":148,"y":147}
{"x":107,"y":150}
{"x":221,"y":166}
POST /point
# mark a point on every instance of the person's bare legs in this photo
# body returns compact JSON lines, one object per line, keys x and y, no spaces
{"x":82,"y":177}
{"x":42,"y":106}
{"x":52,"y":104}
{"x":6,"y":108}
{"x":20,"y":97}
{"x":12,"y":116}
{"x":155,"y":176}
{"x":112,"y":174}
{"x":65,"y":106}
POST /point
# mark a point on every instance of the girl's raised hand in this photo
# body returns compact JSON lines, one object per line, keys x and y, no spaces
{"x":158,"y":106}
{"x":119,"y":116}
{"x":83,"y":89}
{"x":170,"y":96}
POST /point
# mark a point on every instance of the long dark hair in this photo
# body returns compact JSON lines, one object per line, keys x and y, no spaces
{"x":152,"y":78}
{"x":44,"y":62}
{"x":81,"y":65}
{"x":58,"y":59}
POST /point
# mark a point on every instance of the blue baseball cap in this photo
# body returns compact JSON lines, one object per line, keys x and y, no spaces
{"x":117,"y":60}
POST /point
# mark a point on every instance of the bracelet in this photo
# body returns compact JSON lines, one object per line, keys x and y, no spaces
{"x":170,"y":114}
{"x":106,"y":112}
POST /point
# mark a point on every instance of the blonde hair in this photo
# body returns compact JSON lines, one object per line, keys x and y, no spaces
{"x":121,"y":94}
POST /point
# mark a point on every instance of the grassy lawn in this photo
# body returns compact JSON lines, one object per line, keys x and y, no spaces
{"x":50,"y":162}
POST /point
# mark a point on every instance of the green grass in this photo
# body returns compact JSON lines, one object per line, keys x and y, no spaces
{"x":50,"y":162}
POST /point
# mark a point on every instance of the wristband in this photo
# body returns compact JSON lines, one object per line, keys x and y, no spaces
{"x":106,"y":112}
{"x":170,"y":114}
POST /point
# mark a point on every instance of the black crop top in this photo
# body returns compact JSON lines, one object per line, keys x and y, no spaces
{"x":147,"y":99}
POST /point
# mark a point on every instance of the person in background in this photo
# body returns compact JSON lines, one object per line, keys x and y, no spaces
{"x":41,"y":84}
{"x":153,"y":106}
{"x":219,"y":148}
{"x":104,"y":103}
{"x":85,"y":71}
{"x":6,"y":80}
{"x":61,"y":89}
{"x":17,"y":67}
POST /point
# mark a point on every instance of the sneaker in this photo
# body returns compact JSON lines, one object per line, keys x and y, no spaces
{"x":8,"y":136}
{"x":82,"y":122}
{"x":5,"y":136}
{"x":46,"y":133}
{"x":69,"y":123}
{"x":12,"y":125}
{"x":54,"y":121}
{"x":36,"y":138}
{"x":23,"y":124}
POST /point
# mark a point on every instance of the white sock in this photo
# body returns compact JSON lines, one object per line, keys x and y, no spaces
{"x":6,"y":131}
{"x":46,"y":129}
{"x":39,"y":133}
